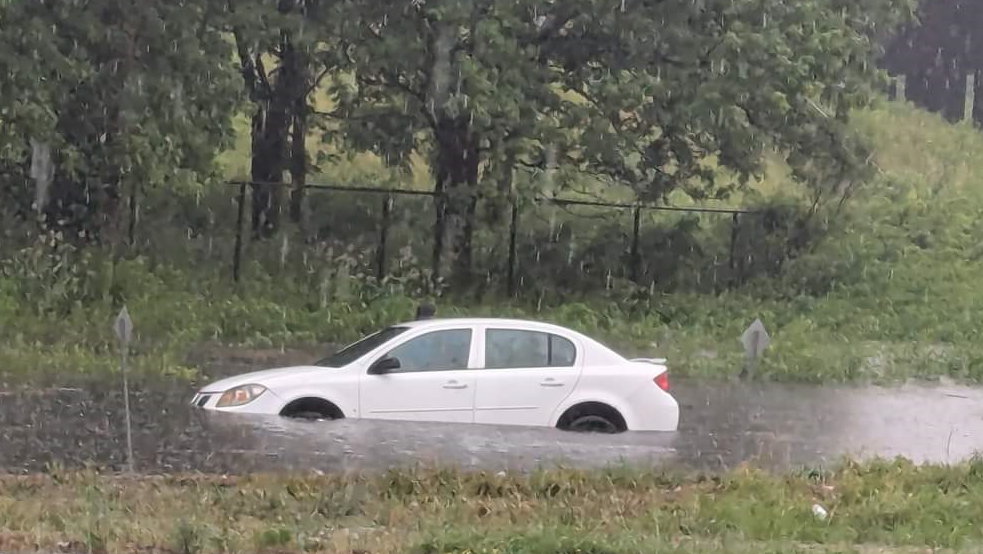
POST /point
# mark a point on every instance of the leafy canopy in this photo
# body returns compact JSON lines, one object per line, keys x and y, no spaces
{"x":653,"y":93}
{"x":123,"y":92}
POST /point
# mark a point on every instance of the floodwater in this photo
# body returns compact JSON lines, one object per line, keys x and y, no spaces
{"x":722,"y":425}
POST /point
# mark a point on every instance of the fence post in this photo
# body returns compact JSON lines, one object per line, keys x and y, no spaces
{"x":387,"y":206}
{"x":439,"y":228}
{"x":636,"y":259}
{"x":237,"y":255}
{"x":513,"y":231}
{"x":732,"y":262}
{"x":134,"y":214}
{"x":900,"y":86}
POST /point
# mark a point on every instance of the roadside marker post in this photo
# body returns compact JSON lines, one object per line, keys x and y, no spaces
{"x":123,"y":327}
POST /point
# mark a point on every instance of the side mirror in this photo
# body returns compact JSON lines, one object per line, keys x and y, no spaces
{"x":383,"y":366}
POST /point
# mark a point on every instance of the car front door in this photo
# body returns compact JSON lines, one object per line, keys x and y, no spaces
{"x":526,"y":374}
{"x":433,"y":382}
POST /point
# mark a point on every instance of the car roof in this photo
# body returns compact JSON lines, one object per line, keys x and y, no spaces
{"x":440,"y":321}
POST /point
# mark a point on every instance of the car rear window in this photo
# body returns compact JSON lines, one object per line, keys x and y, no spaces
{"x":513,"y":348}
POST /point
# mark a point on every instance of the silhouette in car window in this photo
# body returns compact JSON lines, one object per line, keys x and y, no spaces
{"x":425,"y":311}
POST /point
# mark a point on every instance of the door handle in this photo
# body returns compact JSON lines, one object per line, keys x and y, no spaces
{"x":550,"y":383}
{"x":455,"y":385}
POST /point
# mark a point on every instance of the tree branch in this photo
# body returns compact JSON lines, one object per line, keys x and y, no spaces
{"x":261,"y":74}
{"x":246,"y":67}
{"x":317,"y":80}
{"x":552,"y":25}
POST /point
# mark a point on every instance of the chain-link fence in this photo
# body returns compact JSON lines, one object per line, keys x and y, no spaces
{"x":542,"y":243}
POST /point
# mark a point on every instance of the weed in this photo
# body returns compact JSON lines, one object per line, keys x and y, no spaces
{"x":273,"y":537}
{"x":887,"y":503}
{"x":188,"y":538}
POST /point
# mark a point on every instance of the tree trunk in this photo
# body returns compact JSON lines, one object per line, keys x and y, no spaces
{"x":457,"y":197}
{"x":272,"y":152}
{"x":298,"y":166}
{"x":464,"y":248}
{"x":269,"y":147}
{"x":301,"y":82}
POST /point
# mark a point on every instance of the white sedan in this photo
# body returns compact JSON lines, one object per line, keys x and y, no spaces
{"x":492,"y":371}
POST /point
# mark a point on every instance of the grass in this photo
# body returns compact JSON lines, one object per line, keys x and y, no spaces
{"x":701,"y":339}
{"x":877,"y":506}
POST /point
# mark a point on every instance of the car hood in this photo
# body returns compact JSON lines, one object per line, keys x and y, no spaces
{"x":266,"y":377}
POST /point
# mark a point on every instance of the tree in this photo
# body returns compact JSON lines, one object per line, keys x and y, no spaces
{"x":937,"y":54}
{"x":126,"y":94}
{"x":459,"y":81}
{"x":294,"y":38}
{"x":658,"y":94}
{"x":671,"y":86}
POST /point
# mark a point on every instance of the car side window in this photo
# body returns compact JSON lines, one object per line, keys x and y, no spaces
{"x":434,"y":351}
{"x":507,"y":348}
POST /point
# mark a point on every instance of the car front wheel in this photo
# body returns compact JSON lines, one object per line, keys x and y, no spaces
{"x":312,"y":409}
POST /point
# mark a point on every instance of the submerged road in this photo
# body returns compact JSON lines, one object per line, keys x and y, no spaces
{"x":722,"y":425}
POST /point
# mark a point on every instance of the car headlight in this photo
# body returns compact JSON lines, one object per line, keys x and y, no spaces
{"x":239,"y":396}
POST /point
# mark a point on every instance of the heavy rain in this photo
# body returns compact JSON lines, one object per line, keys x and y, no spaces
{"x":687,"y":275}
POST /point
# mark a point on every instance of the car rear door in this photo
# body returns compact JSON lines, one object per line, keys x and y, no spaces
{"x":435,"y":381}
{"x":525,"y":374}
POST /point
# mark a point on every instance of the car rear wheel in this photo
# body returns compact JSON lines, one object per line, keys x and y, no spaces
{"x":593,"y":424}
{"x":592,"y":417}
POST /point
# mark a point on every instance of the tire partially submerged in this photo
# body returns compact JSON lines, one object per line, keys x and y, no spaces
{"x":592,"y":417}
{"x":312,"y":409}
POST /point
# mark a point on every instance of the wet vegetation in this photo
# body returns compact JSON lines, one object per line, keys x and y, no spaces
{"x":860,"y":255}
{"x":887,"y":293}
{"x":889,"y":506}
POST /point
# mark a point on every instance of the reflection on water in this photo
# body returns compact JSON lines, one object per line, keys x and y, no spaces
{"x":722,"y":425}
{"x":782,"y":425}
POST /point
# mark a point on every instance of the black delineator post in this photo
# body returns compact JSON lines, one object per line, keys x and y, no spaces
{"x":380,"y":255}
{"x":237,"y":255}
{"x":636,"y":258}
{"x":513,"y":231}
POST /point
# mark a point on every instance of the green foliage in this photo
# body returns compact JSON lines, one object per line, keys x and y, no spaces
{"x":720,"y":82}
{"x":119,"y":95}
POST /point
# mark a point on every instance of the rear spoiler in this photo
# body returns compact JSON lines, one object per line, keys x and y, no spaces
{"x":653,"y":361}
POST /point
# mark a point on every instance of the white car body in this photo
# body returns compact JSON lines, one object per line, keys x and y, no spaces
{"x":573,"y":376}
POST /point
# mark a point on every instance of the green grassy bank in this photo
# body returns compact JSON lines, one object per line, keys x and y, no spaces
{"x":878,"y":506}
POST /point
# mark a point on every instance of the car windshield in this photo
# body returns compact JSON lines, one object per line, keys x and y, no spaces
{"x":356,"y":350}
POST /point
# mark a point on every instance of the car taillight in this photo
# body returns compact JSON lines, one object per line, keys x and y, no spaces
{"x":662,"y":380}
